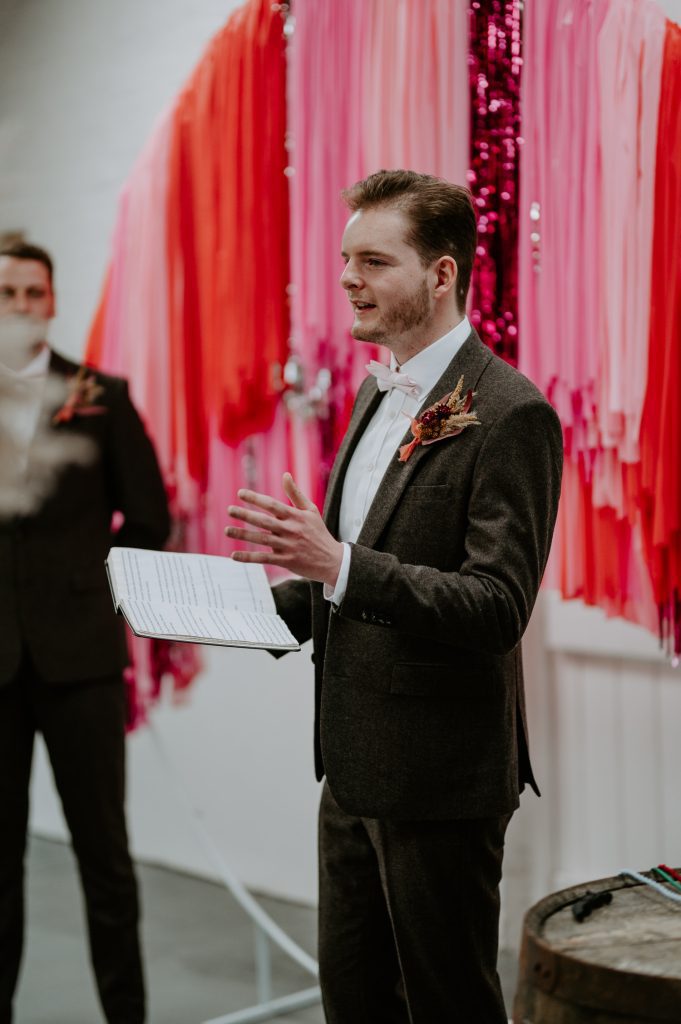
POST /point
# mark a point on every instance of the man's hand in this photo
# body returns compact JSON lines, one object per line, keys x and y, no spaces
{"x":295,"y":534}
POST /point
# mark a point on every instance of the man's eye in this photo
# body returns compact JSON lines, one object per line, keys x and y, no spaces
{"x":375,"y":263}
{"x":6,"y":293}
{"x":36,"y":293}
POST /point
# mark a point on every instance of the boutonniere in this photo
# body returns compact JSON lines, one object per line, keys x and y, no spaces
{"x":82,"y":391}
{"x":446,"y":418}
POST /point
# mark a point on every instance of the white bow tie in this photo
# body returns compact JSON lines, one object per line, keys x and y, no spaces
{"x":388,"y":379}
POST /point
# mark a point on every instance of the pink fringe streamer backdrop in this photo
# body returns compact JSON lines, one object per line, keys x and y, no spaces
{"x":171,"y":317}
{"x":362,"y":96}
{"x":600,"y":121}
{"x":242,"y":375}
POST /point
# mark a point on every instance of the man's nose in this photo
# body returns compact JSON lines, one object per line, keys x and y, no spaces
{"x":20,"y":303}
{"x":349,"y":278}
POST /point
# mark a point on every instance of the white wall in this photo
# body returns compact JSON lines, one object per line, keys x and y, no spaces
{"x":604,"y":705}
{"x":81,"y":83}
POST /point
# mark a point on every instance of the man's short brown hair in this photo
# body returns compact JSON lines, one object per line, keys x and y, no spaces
{"x":26,"y":251}
{"x":442,"y":216}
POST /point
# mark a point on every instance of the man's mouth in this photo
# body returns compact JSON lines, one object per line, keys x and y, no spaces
{"x":362,"y":307}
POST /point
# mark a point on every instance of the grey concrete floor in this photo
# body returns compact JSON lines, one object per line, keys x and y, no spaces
{"x":198,"y":945}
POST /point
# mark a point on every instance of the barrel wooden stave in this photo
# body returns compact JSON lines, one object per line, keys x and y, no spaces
{"x":599,"y":971}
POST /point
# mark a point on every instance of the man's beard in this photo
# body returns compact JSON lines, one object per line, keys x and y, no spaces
{"x":404,"y":315}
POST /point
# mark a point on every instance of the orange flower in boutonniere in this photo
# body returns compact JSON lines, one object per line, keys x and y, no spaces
{"x":446,"y":418}
{"x":82,"y":393}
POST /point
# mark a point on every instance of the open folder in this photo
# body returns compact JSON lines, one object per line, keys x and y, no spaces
{"x":202,"y":599}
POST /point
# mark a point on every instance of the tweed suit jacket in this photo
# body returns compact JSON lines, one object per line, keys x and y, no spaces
{"x":420,"y":709}
{"x":54,"y":595}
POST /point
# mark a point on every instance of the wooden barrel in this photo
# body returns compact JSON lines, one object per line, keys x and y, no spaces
{"x":620,"y":965}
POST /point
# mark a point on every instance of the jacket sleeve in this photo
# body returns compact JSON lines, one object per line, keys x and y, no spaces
{"x":486,"y":604}
{"x":138,"y":491}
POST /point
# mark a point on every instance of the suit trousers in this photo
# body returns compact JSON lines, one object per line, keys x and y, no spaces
{"x":409,"y":919}
{"x":83,"y":725}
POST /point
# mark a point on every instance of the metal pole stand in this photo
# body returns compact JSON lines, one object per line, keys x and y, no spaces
{"x":266,"y":930}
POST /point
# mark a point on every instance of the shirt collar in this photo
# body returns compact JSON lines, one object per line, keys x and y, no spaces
{"x":36,"y":368}
{"x":428,"y":365}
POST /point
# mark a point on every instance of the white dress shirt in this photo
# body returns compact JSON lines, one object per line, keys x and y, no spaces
{"x":380,"y":441}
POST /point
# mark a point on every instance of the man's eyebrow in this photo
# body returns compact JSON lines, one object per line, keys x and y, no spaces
{"x":369,"y":252}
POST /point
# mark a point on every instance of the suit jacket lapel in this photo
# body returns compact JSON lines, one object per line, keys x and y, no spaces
{"x":470,"y":360}
{"x":368,"y":399}
{"x":59,"y":364}
{"x":63,"y":368}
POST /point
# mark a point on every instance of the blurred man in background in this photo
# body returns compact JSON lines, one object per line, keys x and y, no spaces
{"x":73,"y":451}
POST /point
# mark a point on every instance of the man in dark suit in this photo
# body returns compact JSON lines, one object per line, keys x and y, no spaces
{"x":63,"y":649}
{"x":420,"y":580}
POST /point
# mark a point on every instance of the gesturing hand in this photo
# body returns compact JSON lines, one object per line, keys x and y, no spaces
{"x":295,"y":534}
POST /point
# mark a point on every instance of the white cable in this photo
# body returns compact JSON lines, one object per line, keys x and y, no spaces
{"x":240,"y":894}
{"x":653,"y":885}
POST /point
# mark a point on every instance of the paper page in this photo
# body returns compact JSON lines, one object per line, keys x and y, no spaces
{"x":212,"y":624}
{"x":193,"y":580}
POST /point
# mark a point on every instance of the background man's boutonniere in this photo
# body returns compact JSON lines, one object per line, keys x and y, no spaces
{"x":80,"y":401}
{"x":446,"y":418}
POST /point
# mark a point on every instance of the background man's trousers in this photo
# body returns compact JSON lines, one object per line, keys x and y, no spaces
{"x":83,"y":726}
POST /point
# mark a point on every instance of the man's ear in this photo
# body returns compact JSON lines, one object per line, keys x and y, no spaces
{"x":446,"y":272}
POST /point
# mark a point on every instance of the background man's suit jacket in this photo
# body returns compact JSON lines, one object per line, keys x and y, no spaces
{"x":419,"y":689}
{"x":54,"y":595}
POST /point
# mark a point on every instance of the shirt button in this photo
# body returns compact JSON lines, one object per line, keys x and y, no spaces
{"x":358,"y":521}
{"x":370,"y":466}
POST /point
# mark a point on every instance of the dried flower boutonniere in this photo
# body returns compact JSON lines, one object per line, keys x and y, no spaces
{"x":446,"y":418}
{"x":82,"y":393}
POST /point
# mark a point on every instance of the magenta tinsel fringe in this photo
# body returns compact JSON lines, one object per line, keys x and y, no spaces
{"x":495,"y":64}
